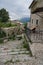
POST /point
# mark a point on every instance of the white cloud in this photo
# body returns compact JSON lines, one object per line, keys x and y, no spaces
{"x":13,"y":15}
{"x":16,"y":8}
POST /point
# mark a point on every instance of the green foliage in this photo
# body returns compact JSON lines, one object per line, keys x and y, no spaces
{"x":7,"y":24}
{"x":19,"y":38}
{"x":2,"y":34}
{"x":25,"y":25}
{"x":9,"y":61}
{"x":11,"y":37}
{"x":17,"y":60}
{"x":12,"y":50}
{"x":26,"y":45}
{"x":0,"y":25}
{"x":4,"y":15}
{"x":1,"y":41}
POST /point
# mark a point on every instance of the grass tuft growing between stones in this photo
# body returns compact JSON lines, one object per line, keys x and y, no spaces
{"x":9,"y":61}
{"x":17,"y":60}
{"x":26,"y":45}
{"x":12,"y":50}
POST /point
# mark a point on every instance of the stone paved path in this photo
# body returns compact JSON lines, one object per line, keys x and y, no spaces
{"x":13,"y":53}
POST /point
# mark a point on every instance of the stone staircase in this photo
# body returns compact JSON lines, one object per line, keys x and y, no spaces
{"x":15,"y":54}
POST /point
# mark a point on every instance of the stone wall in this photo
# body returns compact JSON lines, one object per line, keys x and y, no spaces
{"x":9,"y":30}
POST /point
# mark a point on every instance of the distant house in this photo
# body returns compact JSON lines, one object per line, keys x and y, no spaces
{"x":36,"y":14}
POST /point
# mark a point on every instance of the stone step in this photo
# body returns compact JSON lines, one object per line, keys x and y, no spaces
{"x":20,"y":58}
{"x":12,"y":50}
{"x":14,"y":53}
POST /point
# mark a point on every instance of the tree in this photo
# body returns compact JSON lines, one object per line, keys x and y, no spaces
{"x":4,"y":15}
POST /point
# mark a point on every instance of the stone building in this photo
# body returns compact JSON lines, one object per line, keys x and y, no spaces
{"x":36,"y":8}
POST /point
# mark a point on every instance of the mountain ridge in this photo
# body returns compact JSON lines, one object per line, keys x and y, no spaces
{"x":25,"y":19}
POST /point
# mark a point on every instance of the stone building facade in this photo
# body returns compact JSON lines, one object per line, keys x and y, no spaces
{"x":36,"y":14}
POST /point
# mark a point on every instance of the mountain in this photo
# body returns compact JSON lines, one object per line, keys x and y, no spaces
{"x":25,"y":19}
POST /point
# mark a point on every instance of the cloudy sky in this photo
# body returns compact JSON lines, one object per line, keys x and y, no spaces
{"x":16,"y":8}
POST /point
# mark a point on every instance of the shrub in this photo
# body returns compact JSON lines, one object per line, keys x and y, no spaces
{"x":0,"y":24}
{"x":2,"y":34}
{"x":1,"y":41}
{"x":19,"y":38}
{"x":7,"y":24}
{"x":12,"y":37}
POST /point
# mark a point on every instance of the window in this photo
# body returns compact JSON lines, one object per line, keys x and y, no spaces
{"x":36,"y":22}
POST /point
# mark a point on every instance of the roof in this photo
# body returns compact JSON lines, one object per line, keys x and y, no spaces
{"x":38,"y":10}
{"x":33,"y":2}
